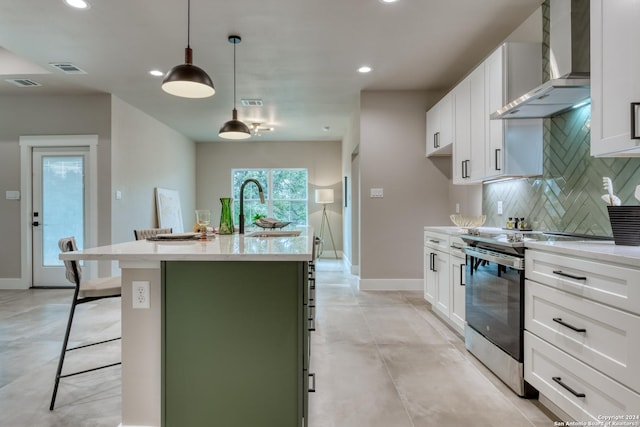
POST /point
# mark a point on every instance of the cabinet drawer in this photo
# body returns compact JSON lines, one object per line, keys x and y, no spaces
{"x":610,"y":341}
{"x":602,"y":395}
{"x":609,"y":284}
{"x":436,"y":241}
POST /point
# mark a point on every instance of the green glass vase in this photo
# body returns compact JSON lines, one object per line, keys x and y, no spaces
{"x":226,"y":220}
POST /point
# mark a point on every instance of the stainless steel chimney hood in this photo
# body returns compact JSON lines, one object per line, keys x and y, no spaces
{"x":569,"y":85}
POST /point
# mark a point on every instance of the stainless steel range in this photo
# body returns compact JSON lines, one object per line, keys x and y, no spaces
{"x":495,"y":300}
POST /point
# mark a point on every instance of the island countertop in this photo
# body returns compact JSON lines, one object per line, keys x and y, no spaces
{"x":234,"y":247}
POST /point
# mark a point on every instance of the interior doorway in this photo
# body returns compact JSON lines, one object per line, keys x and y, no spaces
{"x":355,"y":211}
{"x":58,"y":208}
{"x":59,"y":199}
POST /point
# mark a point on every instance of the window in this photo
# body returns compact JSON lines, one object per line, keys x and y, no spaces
{"x":285,"y":192}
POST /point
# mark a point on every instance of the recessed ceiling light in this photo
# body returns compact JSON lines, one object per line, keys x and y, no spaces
{"x":156,"y":73}
{"x":326,"y":128}
{"x":364,"y":69}
{"x":388,"y":1}
{"x":78,"y":4}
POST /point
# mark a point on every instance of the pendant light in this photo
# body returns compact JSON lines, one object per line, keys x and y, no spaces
{"x":187,"y":80}
{"x":234,"y":128}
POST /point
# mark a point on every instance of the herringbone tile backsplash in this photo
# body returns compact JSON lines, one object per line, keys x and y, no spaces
{"x":568,"y":195}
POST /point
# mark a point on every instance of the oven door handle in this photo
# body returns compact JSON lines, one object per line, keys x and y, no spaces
{"x":497,"y":257}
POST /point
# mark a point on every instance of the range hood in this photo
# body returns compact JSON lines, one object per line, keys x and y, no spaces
{"x":569,"y":86}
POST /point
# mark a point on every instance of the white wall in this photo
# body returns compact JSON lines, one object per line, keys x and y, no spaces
{"x":23,"y":115}
{"x":351,"y":227}
{"x":392,"y":157}
{"x":322,"y":159}
{"x":146,"y":154}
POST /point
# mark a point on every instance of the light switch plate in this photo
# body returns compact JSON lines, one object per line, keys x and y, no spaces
{"x":376,"y":193}
{"x":12,"y":195}
{"x":118,"y":195}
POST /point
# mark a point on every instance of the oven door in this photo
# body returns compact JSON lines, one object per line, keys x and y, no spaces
{"x":494,"y":298}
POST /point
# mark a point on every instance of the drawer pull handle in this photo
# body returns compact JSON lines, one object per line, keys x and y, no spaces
{"x":634,"y":132}
{"x":565,"y":324}
{"x":437,"y":242}
{"x":572,"y":391}
{"x":312,"y":388}
{"x":571,"y":276}
{"x":462,"y":272}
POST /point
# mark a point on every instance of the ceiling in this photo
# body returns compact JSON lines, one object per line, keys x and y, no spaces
{"x":299,"y":56}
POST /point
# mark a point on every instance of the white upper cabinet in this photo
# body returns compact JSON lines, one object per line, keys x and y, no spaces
{"x":469,"y":129}
{"x":488,"y":149}
{"x":440,"y":127}
{"x":462,"y":132}
{"x":513,"y":146}
{"x":615,"y":85}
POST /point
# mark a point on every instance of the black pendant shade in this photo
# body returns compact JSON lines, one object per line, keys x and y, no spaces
{"x":234,"y":128}
{"x":187,"y":80}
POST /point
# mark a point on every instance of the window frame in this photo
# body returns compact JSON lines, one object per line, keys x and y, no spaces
{"x":269,"y":199}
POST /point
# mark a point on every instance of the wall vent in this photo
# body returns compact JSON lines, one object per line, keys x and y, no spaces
{"x":67,"y":67}
{"x":23,"y":82}
{"x":252,"y":102}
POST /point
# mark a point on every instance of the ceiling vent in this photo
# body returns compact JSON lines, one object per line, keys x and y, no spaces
{"x":67,"y":67}
{"x":23,"y":82}
{"x":251,"y":102}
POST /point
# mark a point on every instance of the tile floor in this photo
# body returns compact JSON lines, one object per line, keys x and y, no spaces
{"x":382,"y":359}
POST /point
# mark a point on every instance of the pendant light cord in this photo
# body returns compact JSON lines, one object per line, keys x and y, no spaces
{"x":234,"y":76}
{"x":188,"y":23}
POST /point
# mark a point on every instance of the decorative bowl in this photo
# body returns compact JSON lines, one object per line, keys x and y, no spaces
{"x":467,"y":222}
{"x":270,"y":224}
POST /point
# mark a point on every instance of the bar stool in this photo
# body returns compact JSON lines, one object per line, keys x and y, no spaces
{"x":143,"y":233}
{"x":85,"y":291}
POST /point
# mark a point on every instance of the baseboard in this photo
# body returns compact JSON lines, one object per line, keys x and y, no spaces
{"x":553,"y":409}
{"x":330,"y":254}
{"x":390,"y":284}
{"x":13,"y":284}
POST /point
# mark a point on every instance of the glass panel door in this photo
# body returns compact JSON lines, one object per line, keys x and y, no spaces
{"x":58,"y":209}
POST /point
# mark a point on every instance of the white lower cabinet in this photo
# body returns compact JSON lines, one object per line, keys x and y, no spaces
{"x":457,"y":264}
{"x":582,"y":334}
{"x":444,"y":277}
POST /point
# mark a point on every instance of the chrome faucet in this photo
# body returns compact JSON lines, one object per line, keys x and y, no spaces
{"x":260,"y":192}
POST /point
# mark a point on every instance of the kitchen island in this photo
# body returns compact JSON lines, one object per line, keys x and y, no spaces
{"x":225,"y":340}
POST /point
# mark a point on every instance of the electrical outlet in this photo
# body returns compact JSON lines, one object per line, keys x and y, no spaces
{"x":500,"y":207}
{"x":140,"y":294}
{"x":457,"y":208}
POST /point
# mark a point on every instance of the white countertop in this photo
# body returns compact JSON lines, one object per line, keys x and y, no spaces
{"x":235,"y":247}
{"x":606,"y":251}
{"x":451,"y":230}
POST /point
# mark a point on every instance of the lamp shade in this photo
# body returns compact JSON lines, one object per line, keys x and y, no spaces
{"x":324,"y":196}
{"x":188,"y":81}
{"x":234,"y":128}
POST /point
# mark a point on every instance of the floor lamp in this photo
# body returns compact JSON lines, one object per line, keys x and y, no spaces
{"x":325,"y":197}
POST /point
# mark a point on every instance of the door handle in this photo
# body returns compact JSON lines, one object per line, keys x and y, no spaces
{"x":498,"y":151}
{"x":462,"y":272}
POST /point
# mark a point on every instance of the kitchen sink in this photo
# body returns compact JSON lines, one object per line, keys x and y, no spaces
{"x":274,"y":233}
